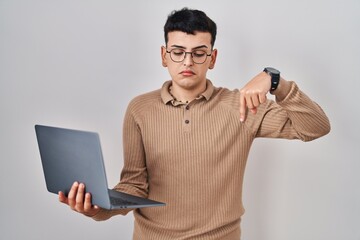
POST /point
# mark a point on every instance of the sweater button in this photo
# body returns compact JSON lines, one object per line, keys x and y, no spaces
{"x":187,"y":121}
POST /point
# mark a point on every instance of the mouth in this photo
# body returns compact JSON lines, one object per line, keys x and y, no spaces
{"x":187,"y":73}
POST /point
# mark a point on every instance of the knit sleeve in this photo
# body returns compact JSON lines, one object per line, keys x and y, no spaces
{"x":134,"y":174}
{"x":295,"y":117}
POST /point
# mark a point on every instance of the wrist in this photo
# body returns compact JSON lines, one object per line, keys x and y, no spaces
{"x":275,"y":78}
{"x":282,"y":90}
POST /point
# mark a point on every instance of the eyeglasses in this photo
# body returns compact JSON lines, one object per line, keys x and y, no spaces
{"x":178,"y":55}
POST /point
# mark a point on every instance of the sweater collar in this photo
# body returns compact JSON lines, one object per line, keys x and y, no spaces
{"x":167,"y":97}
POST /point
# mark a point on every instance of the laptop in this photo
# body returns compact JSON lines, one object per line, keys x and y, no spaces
{"x":72,"y":155}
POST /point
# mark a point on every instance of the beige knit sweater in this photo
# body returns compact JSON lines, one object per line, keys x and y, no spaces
{"x":193,"y":156}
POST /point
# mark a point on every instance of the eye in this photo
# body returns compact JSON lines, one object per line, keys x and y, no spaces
{"x":199,"y":54}
{"x":177,"y":52}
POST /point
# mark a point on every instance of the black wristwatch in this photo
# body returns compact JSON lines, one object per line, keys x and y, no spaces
{"x":275,"y":77}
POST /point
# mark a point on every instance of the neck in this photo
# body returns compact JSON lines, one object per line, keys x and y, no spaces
{"x":186,"y":95}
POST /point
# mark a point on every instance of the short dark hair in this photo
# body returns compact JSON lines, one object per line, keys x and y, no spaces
{"x":188,"y":21}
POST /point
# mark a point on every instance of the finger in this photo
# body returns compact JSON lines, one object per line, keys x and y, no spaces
{"x":255,"y":100}
{"x":262,"y":98}
{"x":62,"y":198}
{"x":89,"y":209}
{"x":255,"y":103}
{"x":242,"y":107}
{"x":87,"y":202}
{"x":72,"y":195}
{"x":80,"y":198}
{"x":249,"y":102}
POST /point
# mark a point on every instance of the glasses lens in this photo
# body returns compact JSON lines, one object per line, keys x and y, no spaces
{"x":177,"y":55}
{"x":199,"y":56}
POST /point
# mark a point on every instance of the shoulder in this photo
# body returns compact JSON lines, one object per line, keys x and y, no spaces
{"x":145,"y":101}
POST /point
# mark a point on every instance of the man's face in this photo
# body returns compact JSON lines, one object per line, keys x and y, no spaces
{"x":187,"y":74}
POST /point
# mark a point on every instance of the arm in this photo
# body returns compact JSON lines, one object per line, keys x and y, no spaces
{"x":254,"y":93}
{"x":134,"y":173}
{"x":133,"y":176}
{"x":294,"y":115}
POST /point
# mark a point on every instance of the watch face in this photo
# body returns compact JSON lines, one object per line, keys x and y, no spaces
{"x":272,"y":70}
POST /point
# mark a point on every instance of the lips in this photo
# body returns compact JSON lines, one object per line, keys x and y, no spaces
{"x":187,"y":73}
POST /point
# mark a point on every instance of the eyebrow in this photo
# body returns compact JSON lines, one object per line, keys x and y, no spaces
{"x":182,"y":47}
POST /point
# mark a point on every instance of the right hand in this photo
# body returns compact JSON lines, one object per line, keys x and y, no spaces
{"x":79,"y":201}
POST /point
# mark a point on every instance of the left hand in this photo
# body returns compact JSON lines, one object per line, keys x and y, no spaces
{"x":254,"y":93}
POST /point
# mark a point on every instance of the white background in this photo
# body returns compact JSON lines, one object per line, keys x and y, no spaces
{"x":77,"y":64}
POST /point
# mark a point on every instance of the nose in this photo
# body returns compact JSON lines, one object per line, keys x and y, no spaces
{"x":188,"y":61}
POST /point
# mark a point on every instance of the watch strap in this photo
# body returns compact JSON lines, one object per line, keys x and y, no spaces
{"x":275,"y":79}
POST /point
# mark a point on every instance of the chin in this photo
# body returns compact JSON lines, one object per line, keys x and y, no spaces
{"x":188,"y":83}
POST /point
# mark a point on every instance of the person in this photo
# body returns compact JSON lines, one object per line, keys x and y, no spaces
{"x":187,"y":143}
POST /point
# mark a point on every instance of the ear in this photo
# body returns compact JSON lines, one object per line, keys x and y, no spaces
{"x":163,"y":56}
{"x":213,"y":59}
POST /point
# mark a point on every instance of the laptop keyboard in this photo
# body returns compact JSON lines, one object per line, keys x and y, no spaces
{"x":119,"y":201}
